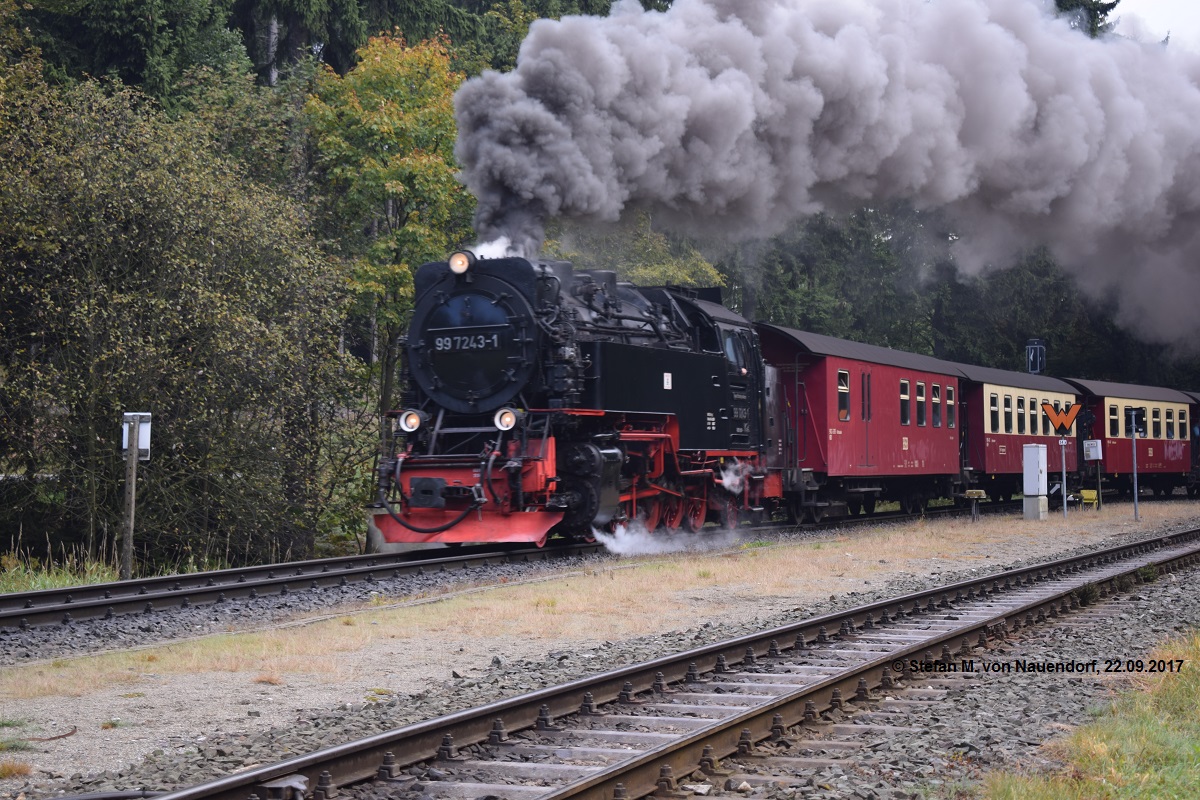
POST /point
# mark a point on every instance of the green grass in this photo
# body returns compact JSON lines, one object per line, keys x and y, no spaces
{"x":21,"y":574}
{"x":1145,"y":746}
{"x":9,"y":744}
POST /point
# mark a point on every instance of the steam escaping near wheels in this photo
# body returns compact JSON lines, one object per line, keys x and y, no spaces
{"x":733,"y":476}
{"x":632,"y":539}
{"x":735,"y":118}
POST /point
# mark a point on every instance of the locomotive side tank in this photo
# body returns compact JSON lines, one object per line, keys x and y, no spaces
{"x":544,"y":400}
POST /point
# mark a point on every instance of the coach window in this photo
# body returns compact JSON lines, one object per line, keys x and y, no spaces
{"x":1183,"y":431}
{"x":994,"y":409}
{"x":921,"y":404}
{"x":1156,"y":423}
{"x":1047,"y":427}
{"x":951,"y":409}
{"x":1114,"y":422}
{"x":1008,"y":428}
{"x":1020,"y":415}
{"x":937,"y":405}
{"x":1033,"y":412}
{"x":1170,"y":423}
{"x":843,"y":395}
{"x":904,"y":411}
{"x":1128,"y":427}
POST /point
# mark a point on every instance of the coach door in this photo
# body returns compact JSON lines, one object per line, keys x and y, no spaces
{"x":864,"y":396}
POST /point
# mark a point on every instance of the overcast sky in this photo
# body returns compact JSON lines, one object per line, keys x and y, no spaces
{"x":1152,"y":19}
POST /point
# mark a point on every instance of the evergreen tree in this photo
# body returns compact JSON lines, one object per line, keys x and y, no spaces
{"x":1090,"y":16}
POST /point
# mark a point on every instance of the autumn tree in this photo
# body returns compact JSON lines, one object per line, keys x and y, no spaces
{"x":145,"y":274}
{"x":634,"y":250}
{"x":385,"y":156}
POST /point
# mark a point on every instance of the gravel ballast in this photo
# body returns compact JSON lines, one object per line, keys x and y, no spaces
{"x":170,"y":731}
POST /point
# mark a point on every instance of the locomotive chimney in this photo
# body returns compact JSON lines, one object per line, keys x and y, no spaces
{"x":563,"y":271}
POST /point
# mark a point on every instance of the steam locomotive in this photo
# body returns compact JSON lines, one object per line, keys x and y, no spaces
{"x":543,"y":401}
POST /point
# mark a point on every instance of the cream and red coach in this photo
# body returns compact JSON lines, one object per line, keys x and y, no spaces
{"x":1004,"y":411}
{"x":1164,"y":447}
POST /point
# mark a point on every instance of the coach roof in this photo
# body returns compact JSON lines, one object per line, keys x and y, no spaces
{"x":1017,"y":380}
{"x":820,"y":345}
{"x":1131,"y":391}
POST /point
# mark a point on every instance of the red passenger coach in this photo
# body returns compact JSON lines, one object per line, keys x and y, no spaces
{"x":1164,"y":451}
{"x":867,"y":423}
{"x":1004,"y":413}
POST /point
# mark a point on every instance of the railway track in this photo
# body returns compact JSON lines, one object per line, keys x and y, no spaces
{"x":641,"y":729}
{"x":25,"y":610}
{"x":53,"y":606}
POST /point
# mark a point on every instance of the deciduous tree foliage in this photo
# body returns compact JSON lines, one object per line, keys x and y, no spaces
{"x":636,"y":252}
{"x":144,"y":274}
{"x":385,"y":150}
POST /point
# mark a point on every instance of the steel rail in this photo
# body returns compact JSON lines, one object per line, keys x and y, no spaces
{"x":385,"y":753}
{"x":53,"y":606}
{"x":157,"y":593}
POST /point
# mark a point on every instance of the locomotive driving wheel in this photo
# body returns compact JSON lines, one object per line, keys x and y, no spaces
{"x":651,"y":513}
{"x":693,"y":514}
{"x":671,"y":512}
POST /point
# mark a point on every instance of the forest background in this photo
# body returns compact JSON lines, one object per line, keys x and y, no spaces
{"x":212,"y":209}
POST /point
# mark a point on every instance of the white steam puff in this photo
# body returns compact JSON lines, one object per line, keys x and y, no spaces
{"x":736,"y":117}
{"x":632,"y":539}
{"x":497,"y":248}
{"x":733,"y":476}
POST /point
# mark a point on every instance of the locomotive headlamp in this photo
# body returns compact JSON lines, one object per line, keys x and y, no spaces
{"x":507,"y":418}
{"x":412,"y":419}
{"x":461,"y":261}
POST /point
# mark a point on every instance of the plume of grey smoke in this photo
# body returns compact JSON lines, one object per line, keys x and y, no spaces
{"x":736,"y":117}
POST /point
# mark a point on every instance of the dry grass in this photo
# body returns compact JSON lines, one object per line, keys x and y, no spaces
{"x":14,"y":769}
{"x":628,"y":599}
